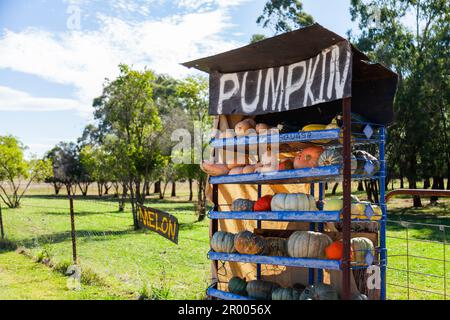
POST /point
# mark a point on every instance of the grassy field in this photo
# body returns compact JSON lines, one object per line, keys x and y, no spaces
{"x":18,"y":272}
{"x":122,"y":263}
{"x":128,"y":261}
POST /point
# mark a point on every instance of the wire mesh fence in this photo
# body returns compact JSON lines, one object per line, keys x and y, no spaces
{"x":417,"y":260}
{"x":108,"y":248}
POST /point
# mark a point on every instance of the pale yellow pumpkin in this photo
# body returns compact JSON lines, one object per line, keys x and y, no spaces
{"x":293,"y":202}
{"x":360,"y":247}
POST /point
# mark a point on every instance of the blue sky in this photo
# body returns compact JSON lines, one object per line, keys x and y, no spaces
{"x":51,"y":66}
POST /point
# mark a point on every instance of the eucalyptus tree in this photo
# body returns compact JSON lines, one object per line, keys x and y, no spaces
{"x":418,"y":142}
{"x":126,"y":109}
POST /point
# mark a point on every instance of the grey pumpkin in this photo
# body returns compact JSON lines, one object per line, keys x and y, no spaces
{"x":242,"y":205}
{"x":223,"y":242}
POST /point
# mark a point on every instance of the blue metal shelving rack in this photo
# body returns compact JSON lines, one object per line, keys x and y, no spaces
{"x":372,"y":134}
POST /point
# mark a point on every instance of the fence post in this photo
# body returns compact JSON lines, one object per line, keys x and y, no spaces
{"x":2,"y":231}
{"x":72,"y":225}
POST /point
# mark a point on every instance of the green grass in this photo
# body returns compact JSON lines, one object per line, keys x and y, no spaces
{"x":125,"y":259}
{"x":21,"y":278}
{"x":129,"y":264}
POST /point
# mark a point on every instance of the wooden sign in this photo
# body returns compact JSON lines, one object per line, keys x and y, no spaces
{"x":320,"y":79}
{"x":158,"y":221}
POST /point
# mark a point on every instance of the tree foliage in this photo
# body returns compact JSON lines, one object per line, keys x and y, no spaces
{"x":16,"y":173}
{"x":284,"y":16}
{"x":418,"y":144}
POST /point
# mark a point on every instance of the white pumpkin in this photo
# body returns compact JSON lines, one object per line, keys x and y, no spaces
{"x":293,"y":202}
{"x":308,"y":244}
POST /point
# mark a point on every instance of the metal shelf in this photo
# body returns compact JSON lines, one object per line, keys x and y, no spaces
{"x":306,"y":216}
{"x":302,"y":136}
{"x":281,"y":261}
{"x":298,"y":139}
{"x":304,"y":175}
{"x":225,"y":295}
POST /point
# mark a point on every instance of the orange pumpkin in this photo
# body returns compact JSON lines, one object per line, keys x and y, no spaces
{"x":286,"y":164}
{"x":335,"y":251}
{"x":263,"y":203}
{"x":308,"y":157}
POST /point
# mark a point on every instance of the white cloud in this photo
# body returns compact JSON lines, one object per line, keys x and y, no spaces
{"x":196,"y":4}
{"x":15,"y":100}
{"x":84,"y":59}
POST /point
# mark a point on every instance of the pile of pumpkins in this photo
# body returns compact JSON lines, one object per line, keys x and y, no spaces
{"x":300,"y":244}
{"x":359,"y":209}
{"x":267,"y":290}
{"x":278,"y":202}
{"x":309,"y":157}
{"x":305,"y":202}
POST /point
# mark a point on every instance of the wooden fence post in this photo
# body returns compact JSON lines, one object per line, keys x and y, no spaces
{"x":72,"y":225}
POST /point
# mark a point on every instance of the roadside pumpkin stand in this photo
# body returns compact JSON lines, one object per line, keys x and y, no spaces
{"x":303,"y":77}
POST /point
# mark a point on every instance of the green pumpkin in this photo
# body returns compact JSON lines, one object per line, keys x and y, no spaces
{"x":286,"y":294}
{"x":260,"y":289}
{"x":242,"y":205}
{"x":238,"y":286}
{"x":223,"y":241}
{"x":333,"y":156}
{"x":320,"y":291}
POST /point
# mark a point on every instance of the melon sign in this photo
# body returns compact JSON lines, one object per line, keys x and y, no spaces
{"x":158,"y":221}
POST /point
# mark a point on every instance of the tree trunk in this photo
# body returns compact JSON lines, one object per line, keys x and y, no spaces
{"x":375,"y":191}
{"x":333,"y":192}
{"x":57,"y":187}
{"x":426,"y":183}
{"x":157,"y":187}
{"x":360,"y":186}
{"x":412,"y":177}
{"x":438,"y":183}
{"x":116,"y":189}
{"x":416,"y":199}
{"x":147,"y":188}
{"x":140,"y":196}
{"x":162,"y":194}
{"x":133,"y":205}
{"x":100,"y":189}
{"x":402,"y":186}
{"x":191,"y":195}
{"x":107,"y":187}
{"x":174,"y":191}
{"x":368,"y":188}
{"x":84,"y":186}
{"x":123,"y":198}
